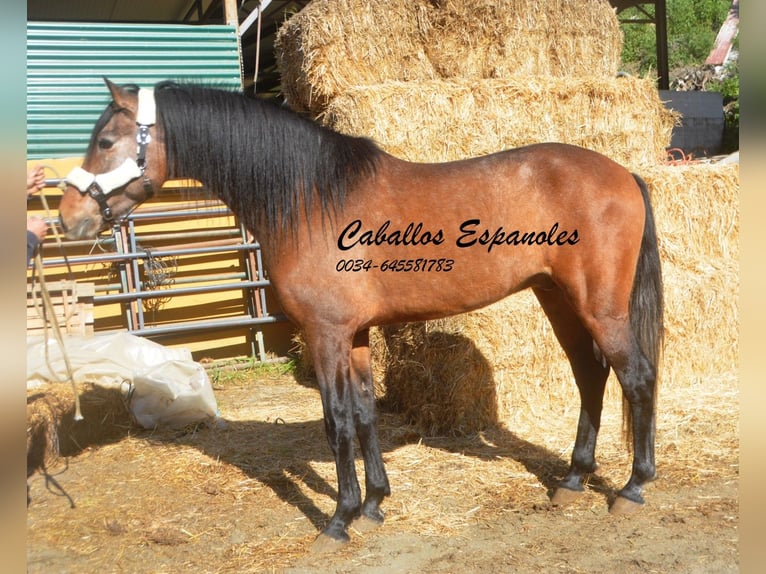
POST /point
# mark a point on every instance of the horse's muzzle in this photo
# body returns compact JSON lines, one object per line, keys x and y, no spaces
{"x":84,"y":228}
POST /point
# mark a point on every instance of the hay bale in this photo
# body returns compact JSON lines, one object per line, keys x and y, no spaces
{"x":334,"y":45}
{"x":502,"y":363}
{"x":697,"y":213}
{"x":446,"y":120}
{"x":52,"y":431}
{"x":511,"y":38}
{"x":467,"y":373}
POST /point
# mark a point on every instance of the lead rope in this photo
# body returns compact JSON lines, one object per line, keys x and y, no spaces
{"x":49,"y":312}
{"x":52,"y":221}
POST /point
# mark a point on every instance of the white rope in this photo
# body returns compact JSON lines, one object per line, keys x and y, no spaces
{"x":49,"y":311}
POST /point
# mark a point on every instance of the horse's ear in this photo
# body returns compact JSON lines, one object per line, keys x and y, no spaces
{"x":120,"y":96}
{"x":111,"y":85}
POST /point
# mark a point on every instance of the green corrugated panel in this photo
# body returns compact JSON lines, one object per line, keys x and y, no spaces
{"x":66,"y":64}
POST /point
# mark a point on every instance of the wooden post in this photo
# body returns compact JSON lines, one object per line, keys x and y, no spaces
{"x":230,"y":13}
{"x":231,"y":17}
{"x":661,"y":24}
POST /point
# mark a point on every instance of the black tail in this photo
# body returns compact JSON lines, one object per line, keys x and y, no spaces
{"x":646,"y":300}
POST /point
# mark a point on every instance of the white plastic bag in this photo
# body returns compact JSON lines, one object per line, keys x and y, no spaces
{"x":167,"y":386}
{"x":174,"y":393}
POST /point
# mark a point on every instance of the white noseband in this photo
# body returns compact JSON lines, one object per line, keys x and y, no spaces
{"x":108,"y":181}
{"x":101,"y":185}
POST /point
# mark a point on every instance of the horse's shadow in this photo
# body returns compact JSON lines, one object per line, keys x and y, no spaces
{"x":290,"y":472}
{"x":280,"y":455}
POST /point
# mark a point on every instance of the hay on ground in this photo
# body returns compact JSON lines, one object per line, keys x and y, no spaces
{"x":209,"y":491}
{"x":334,"y":45}
{"x":52,"y":431}
{"x":441,"y":121}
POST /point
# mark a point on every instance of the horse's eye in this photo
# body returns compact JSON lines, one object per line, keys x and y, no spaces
{"x":104,"y":143}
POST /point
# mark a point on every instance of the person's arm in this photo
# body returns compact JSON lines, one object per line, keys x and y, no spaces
{"x":36,"y":230}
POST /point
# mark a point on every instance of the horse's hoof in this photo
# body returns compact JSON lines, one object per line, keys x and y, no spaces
{"x":325,"y":544}
{"x":365,"y":524}
{"x":622,"y":505}
{"x":564,"y":496}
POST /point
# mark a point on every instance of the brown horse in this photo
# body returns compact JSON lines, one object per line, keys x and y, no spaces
{"x":353,"y":237}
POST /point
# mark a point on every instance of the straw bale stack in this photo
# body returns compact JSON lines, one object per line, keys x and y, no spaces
{"x":465,"y":373}
{"x":508,"y":38}
{"x":334,"y":45}
{"x":697,"y":213}
{"x":440,"y":120}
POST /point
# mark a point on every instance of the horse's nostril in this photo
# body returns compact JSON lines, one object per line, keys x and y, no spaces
{"x":82,"y":229}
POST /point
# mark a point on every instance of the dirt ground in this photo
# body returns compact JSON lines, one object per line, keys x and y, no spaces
{"x":250,"y":494}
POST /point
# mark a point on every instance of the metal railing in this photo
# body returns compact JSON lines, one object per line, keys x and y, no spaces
{"x":133,"y":290}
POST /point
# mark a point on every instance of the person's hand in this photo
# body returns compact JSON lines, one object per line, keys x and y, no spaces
{"x":35,"y":179}
{"x":37,"y":226}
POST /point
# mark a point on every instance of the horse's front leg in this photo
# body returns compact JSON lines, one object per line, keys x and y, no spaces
{"x":331,"y":353}
{"x":365,"y":420}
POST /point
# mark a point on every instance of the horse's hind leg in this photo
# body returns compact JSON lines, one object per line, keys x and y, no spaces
{"x":637,"y":377}
{"x":590,"y":375}
{"x":614,"y":336}
{"x":376,"y":481}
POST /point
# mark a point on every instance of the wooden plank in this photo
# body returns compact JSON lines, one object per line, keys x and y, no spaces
{"x":72,"y":305}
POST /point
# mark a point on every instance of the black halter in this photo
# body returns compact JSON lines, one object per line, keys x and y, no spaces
{"x":95,"y":191}
{"x":98,"y":194}
{"x":142,"y":140}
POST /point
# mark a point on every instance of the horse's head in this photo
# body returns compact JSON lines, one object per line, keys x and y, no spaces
{"x":124,"y":164}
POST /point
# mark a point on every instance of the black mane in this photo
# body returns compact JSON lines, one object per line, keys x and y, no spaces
{"x":265,"y":162}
